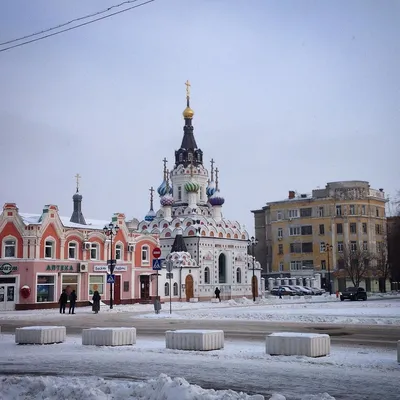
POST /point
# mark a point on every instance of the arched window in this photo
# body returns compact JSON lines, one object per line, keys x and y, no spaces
{"x":72,"y":253}
{"x":166,"y":289}
{"x":238,"y":275}
{"x":49,"y":248}
{"x":206,"y":275}
{"x":10,"y":247}
{"x":222,"y":268}
{"x":145,"y":254}
{"x":175,"y":289}
{"x":118,"y":251}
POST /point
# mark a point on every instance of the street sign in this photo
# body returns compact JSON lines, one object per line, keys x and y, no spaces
{"x":169,"y":265}
{"x":157,"y":263}
{"x":110,"y":278}
{"x":170,"y":275}
{"x":156,"y":252}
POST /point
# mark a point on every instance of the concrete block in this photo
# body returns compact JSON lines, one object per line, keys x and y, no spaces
{"x":40,"y":334}
{"x":214,"y":300}
{"x":398,"y":351}
{"x":194,"y":339}
{"x":109,"y":336}
{"x":298,"y":344}
{"x":194,"y":300}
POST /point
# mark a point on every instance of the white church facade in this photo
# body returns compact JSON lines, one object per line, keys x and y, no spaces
{"x":207,"y":250}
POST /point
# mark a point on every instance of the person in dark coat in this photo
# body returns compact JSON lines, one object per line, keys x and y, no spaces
{"x":72,"y":302}
{"x":96,"y":302}
{"x":63,"y":301}
{"x":217,"y":292}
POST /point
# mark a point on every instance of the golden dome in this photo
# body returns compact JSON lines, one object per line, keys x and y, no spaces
{"x":188,"y":112}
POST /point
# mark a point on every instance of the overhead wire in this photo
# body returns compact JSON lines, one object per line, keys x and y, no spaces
{"x":76,"y":26}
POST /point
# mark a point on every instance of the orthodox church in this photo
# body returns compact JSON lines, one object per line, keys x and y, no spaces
{"x":207,"y":250}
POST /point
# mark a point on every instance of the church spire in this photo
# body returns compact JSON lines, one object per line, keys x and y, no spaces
{"x":188,"y":153}
{"x":77,"y":216}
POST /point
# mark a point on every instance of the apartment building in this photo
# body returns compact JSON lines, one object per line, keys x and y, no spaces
{"x":306,"y":234}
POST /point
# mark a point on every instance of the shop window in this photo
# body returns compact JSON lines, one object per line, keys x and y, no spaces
{"x":10,"y":248}
{"x":69,"y":283}
{"x":45,"y":288}
{"x":94,"y":250}
{"x":166,"y":289}
{"x":145,"y":254}
{"x":118,"y":252}
{"x":175,"y":289}
{"x":96,"y":282}
{"x":49,"y":249}
{"x":72,"y":251}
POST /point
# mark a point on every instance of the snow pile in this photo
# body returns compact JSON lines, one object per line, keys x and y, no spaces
{"x":90,"y":388}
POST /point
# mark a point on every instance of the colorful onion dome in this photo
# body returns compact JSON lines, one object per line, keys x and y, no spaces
{"x":162,"y":189}
{"x":210,"y":190}
{"x":192,"y":187}
{"x":216,"y":199}
{"x":167,"y":200}
{"x":150,"y":216}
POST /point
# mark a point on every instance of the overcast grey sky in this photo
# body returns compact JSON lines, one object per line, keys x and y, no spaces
{"x":287,"y":96}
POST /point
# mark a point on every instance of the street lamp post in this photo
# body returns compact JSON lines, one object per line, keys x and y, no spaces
{"x":328,"y":248}
{"x":111,"y":230}
{"x":252,"y":243}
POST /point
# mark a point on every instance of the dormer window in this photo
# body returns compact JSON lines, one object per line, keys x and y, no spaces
{"x":49,"y":249}
{"x":180,"y":157}
{"x":190,"y":157}
{"x":10,"y":248}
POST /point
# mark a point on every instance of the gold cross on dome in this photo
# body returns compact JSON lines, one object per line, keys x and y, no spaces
{"x":188,"y":85}
{"x":77,"y":176}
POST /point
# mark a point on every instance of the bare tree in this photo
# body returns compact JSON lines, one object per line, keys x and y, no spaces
{"x":356,"y":262}
{"x":381,"y":261}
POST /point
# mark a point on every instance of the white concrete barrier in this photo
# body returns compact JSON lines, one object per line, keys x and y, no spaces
{"x":214,"y":300}
{"x":193,"y":339}
{"x":40,"y":334}
{"x":194,"y":300}
{"x":298,"y":344}
{"x":109,"y":336}
{"x":398,"y":351}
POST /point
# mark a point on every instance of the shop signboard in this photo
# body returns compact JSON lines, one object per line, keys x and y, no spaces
{"x":59,"y":268}
{"x":7,"y":268}
{"x":104,"y":268}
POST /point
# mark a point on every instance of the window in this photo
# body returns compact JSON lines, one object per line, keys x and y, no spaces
{"x":378,"y":229}
{"x":280,"y":233}
{"x":294,"y":231}
{"x":180,"y":157}
{"x":69,"y":283}
{"x":363,"y":210}
{"x":280,"y":248}
{"x":306,"y":230}
{"x":201,"y":193}
{"x":307,"y":247}
{"x":279,"y":215}
{"x":281,"y":267}
{"x":353,"y":246}
{"x":49,"y":249}
{"x":365,"y":245}
{"x":320,"y":211}
{"x":305,"y":212}
{"x":126,"y":286}
{"x":322,"y":229}
{"x":71,"y":250}
{"x":295,"y":247}
{"x":338,"y":211}
{"x":364,"y":228}
{"x":145,"y":254}
{"x":353,"y":227}
{"x":352,"y":210}
{"x":238,"y":275}
{"x":166,"y":289}
{"x":9,"y":248}
{"x":377,"y":211}
{"x":206,"y":275}
{"x":45,"y":288}
{"x":322,"y":247}
{"x":94,"y":247}
{"x":175,"y":286}
{"x":340,"y":247}
{"x":118,"y":252}
{"x":308,"y":264}
{"x":295,"y":265}
{"x":323,"y":265}
{"x":179,"y":192}
{"x":293,"y":213}
{"x":96,"y":282}
{"x":339,"y":229}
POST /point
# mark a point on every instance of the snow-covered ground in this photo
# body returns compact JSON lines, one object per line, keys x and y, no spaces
{"x":149,"y":371}
{"x":319,"y":309}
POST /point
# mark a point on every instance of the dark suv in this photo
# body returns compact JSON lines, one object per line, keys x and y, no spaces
{"x":353,"y":293}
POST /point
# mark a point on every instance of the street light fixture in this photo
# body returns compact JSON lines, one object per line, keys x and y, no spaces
{"x":253,"y":243}
{"x":328,"y":248}
{"x":111,"y":230}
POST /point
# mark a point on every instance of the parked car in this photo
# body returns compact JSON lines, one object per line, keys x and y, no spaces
{"x":353,"y":293}
{"x":314,"y":291}
{"x":304,"y":290}
{"x":284,"y":291}
{"x":297,"y":292}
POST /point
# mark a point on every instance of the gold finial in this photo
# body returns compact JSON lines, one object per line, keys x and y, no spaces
{"x":77,"y":176}
{"x":187,"y":83}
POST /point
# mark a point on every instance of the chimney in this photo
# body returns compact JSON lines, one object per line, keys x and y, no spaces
{"x":292,"y":194}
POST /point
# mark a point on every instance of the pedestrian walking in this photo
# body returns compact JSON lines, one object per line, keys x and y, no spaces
{"x":63,"y":301}
{"x":217,"y":292}
{"x":72,"y":302}
{"x":96,"y":302}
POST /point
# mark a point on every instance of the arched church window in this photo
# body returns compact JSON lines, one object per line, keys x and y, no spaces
{"x":222,"y":268}
{"x":238,"y":275}
{"x":175,"y":289}
{"x":206,"y":275}
{"x":166,"y":289}
{"x":190,"y":156}
{"x":179,"y":192}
